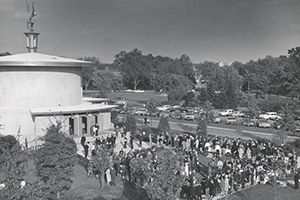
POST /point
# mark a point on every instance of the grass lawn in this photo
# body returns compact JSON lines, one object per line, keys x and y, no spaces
{"x":89,"y":188}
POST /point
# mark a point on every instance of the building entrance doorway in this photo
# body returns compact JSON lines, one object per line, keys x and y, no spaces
{"x":71,"y":126}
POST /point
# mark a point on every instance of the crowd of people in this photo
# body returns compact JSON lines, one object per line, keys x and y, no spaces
{"x":234,"y":164}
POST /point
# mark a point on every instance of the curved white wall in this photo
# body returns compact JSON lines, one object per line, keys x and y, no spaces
{"x":36,"y":87}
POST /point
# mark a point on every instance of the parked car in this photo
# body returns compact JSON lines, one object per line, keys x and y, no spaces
{"x":248,"y":122}
{"x":238,"y":114}
{"x":216,"y":120}
{"x":263,"y":123}
{"x":227,"y":112}
{"x":270,"y":115}
{"x":164,"y":107}
{"x":189,"y":116}
{"x":155,"y":114}
{"x":175,"y":114}
{"x":142,"y":111}
{"x":231,"y":120}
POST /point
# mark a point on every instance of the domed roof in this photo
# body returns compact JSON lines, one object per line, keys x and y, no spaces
{"x":38,"y":59}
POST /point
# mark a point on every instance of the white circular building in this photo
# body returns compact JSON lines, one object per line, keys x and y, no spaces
{"x":37,"y":88}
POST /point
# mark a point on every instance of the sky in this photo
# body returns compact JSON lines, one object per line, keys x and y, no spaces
{"x":205,"y":30}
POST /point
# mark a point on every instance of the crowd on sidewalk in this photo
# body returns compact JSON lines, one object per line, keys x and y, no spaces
{"x":234,"y":163}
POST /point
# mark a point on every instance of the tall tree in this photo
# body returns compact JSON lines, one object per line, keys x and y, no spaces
{"x":100,"y":162}
{"x":223,"y":87}
{"x":134,"y":67}
{"x":294,"y":72}
{"x":202,"y":128}
{"x":166,"y":181}
{"x":106,"y":81}
{"x":87,"y":72}
{"x":55,"y":160}
{"x":130,"y":124}
{"x":13,"y":162}
{"x":163,"y":125}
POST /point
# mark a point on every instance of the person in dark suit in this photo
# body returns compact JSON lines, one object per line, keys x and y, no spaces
{"x":82,"y":141}
{"x":86,"y":150}
{"x":296,"y":179}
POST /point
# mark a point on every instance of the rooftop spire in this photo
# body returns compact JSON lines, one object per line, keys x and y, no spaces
{"x":32,"y":36}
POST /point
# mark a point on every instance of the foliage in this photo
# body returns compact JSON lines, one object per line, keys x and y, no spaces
{"x":55,"y":161}
{"x":87,"y":72}
{"x":151,"y":106}
{"x":279,"y":138}
{"x":287,"y":122}
{"x":13,"y":162}
{"x":163,"y":125}
{"x":106,"y":81}
{"x":223,"y":87}
{"x":293,"y":71}
{"x":270,"y":105}
{"x":202,"y":128}
{"x":134,"y":67}
{"x":130,"y":124}
{"x":7,"y":143}
{"x":101,"y":162}
{"x":114,"y":117}
{"x":190,"y":99}
{"x":139,"y":170}
{"x":166,"y":181}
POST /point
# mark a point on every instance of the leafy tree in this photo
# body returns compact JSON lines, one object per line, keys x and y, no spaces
{"x":151,"y":106}
{"x":139,"y":168}
{"x":190,"y":99}
{"x":205,"y":69}
{"x":130,"y":124}
{"x":223,"y":87}
{"x":202,"y":128}
{"x":106,"y":81}
{"x":114,"y":117}
{"x":55,"y":161}
{"x":100,"y":162}
{"x":163,"y":125}
{"x":294,"y":72}
{"x":203,"y":96}
{"x":87,"y":72}
{"x":7,"y":143}
{"x":134,"y":67}
{"x":279,"y":138}
{"x":166,"y":181}
{"x":287,"y":122}
{"x":13,"y":162}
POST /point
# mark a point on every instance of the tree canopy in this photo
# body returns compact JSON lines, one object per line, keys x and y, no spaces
{"x":55,"y":161}
{"x":13,"y":162}
{"x":166,"y":181}
{"x":163,"y":125}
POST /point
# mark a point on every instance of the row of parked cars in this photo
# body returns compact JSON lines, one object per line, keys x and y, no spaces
{"x":228,"y":116}
{"x":264,"y":120}
{"x":174,"y":112}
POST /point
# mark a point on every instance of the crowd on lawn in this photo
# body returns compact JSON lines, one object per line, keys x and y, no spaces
{"x":234,"y":163}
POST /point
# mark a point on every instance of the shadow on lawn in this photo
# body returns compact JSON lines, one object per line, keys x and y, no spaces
{"x":132,"y":192}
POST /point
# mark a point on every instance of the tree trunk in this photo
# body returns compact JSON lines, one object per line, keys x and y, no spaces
{"x":100,"y":180}
{"x":134,"y":87}
{"x":136,"y":82}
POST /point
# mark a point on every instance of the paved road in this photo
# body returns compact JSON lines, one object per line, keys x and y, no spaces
{"x":214,"y":130}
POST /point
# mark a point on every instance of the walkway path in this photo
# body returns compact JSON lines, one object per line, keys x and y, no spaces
{"x":119,"y":142}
